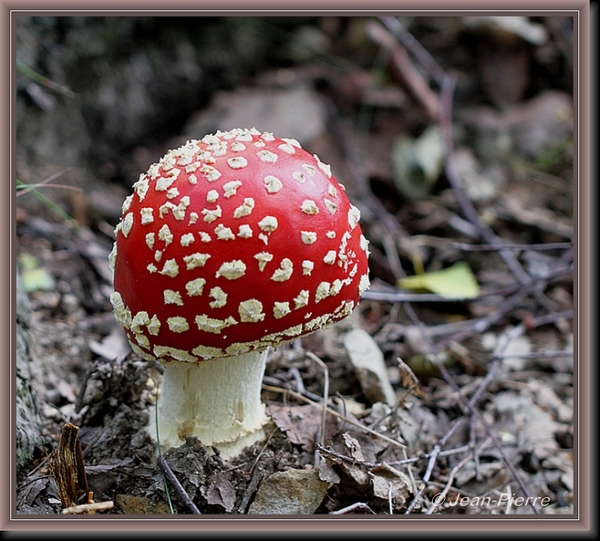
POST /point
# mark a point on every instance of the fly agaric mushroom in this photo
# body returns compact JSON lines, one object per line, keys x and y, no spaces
{"x":230,"y":245}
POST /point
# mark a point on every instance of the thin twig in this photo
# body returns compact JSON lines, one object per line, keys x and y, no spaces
{"x":417,"y":50}
{"x":262,"y":450}
{"x":425,"y":479}
{"x":538,"y":355}
{"x":299,"y":387}
{"x":357,"y":505}
{"x":466,"y":247}
{"x":174,"y":482}
{"x":257,"y":476}
{"x":455,"y":470}
{"x":298,"y":379}
{"x":403,"y":71}
{"x":472,"y":439}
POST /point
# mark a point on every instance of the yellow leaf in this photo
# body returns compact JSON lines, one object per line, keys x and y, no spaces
{"x":455,"y":282}
{"x":33,"y":277}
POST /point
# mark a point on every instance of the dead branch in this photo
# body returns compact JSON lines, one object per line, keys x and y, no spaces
{"x":404,"y":72}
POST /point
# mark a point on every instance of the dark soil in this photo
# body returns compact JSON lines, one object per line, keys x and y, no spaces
{"x":483,"y":389}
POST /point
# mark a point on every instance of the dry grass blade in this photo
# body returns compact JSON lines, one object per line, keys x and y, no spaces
{"x":312,"y":356}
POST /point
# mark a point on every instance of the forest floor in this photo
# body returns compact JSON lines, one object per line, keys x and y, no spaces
{"x":468,"y":167}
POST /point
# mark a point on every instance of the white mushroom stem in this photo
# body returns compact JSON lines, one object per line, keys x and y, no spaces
{"x":218,"y":401}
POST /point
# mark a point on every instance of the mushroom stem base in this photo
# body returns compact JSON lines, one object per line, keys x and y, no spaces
{"x":218,"y":401}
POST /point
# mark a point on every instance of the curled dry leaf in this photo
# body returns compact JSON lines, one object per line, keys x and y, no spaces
{"x":391,"y":484}
{"x":408,"y":379}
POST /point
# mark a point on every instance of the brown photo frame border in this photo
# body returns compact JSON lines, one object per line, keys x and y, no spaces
{"x":580,"y":522}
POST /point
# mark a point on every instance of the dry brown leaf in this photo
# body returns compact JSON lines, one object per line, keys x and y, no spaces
{"x":220,"y":492}
{"x":301,"y":424}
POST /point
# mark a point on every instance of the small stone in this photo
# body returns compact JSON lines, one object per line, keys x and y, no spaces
{"x":290,"y":492}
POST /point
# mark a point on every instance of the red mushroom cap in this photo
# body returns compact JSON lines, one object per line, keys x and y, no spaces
{"x":234,"y":243}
